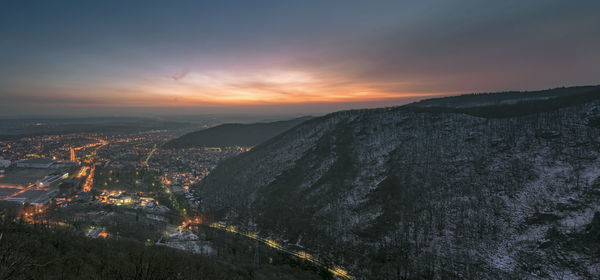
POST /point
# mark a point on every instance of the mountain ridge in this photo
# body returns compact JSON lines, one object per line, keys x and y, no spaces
{"x":425,"y":194}
{"x":234,"y":134}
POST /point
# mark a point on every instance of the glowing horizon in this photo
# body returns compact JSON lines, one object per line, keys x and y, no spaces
{"x":71,"y":57}
{"x":262,"y":88}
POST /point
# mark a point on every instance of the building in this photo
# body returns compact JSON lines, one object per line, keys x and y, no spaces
{"x":48,"y":180}
{"x":20,"y":200}
{"x":146,"y":201}
{"x":35,"y":163}
{"x":34,"y":197}
{"x":62,"y":164}
{"x":4,"y":163}
{"x":43,"y":198}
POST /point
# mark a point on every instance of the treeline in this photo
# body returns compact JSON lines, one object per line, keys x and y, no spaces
{"x":34,"y":252}
{"x":516,"y":109}
{"x":496,"y":98}
{"x":43,"y":251}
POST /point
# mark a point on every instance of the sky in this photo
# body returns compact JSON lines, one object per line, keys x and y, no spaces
{"x":299,"y":57}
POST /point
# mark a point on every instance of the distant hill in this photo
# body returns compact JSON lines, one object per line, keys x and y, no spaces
{"x":486,"y":186}
{"x":18,"y":128}
{"x":234,"y":134}
{"x":509,"y":104}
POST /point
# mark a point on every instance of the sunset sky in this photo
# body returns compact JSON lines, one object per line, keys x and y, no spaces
{"x":169,"y":57}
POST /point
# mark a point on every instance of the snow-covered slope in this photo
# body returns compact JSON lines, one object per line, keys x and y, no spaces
{"x":392,"y":193}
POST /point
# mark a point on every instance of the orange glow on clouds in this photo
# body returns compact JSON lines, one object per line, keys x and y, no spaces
{"x":222,"y":89}
{"x":253,"y":88}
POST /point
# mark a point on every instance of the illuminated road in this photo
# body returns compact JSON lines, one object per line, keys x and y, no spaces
{"x":89,"y":180}
{"x":83,"y":172}
{"x":335,"y":270}
{"x":21,"y":190}
{"x":149,"y":156}
{"x":11,"y":187}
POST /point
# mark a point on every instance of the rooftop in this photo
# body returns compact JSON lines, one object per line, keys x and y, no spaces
{"x":37,"y":161}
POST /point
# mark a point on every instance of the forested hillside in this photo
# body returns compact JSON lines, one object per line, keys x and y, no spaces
{"x":404,"y":193}
{"x":233,"y":134}
{"x":509,"y":104}
{"x":502,"y":98}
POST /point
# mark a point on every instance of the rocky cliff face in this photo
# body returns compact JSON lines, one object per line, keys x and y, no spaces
{"x":402,"y":193}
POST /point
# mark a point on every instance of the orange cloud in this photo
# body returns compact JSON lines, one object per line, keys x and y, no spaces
{"x":256,"y":87}
{"x":190,"y":88}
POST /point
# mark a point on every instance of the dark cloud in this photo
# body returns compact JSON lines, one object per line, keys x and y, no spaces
{"x":487,"y":48}
{"x":76,"y":53}
{"x":180,"y":75}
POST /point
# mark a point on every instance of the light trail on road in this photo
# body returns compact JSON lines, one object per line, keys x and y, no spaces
{"x":30,"y":187}
{"x":335,"y":270}
{"x":190,"y":222}
{"x":11,"y":187}
{"x":89,"y":181}
{"x":150,"y":155}
{"x":83,"y":172}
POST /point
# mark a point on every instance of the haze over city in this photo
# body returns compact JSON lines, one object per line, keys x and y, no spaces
{"x":193,"y":57}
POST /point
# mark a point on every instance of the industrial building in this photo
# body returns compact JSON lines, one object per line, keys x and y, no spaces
{"x":48,"y":180}
{"x":45,"y":163}
{"x":35,"y":163}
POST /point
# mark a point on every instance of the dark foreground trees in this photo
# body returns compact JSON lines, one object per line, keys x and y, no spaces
{"x":42,"y":252}
{"x":33,"y":252}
